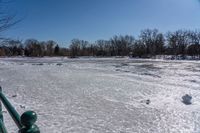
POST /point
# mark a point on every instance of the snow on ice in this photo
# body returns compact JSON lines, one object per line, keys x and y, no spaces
{"x":103,"y":95}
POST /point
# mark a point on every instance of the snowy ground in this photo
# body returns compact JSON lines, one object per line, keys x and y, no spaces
{"x":105,"y":95}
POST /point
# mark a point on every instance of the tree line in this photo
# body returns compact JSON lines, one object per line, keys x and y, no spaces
{"x":148,"y":44}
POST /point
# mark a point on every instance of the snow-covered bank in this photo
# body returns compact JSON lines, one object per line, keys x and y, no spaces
{"x":104,"y":95}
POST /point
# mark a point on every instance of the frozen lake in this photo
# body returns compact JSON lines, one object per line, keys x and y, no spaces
{"x":105,"y":95}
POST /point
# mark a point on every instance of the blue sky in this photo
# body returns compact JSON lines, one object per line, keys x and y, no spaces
{"x":63,"y":20}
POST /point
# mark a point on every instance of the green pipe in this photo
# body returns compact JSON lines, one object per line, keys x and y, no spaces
{"x":25,"y":123}
{"x":15,"y":116}
{"x":2,"y":127}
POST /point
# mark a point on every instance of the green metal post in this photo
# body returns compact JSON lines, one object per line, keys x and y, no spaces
{"x":2,"y":126}
{"x":28,"y":120}
{"x":15,"y":116}
{"x":25,"y":123}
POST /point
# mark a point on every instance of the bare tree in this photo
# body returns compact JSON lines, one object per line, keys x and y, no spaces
{"x":50,"y":47}
{"x":178,"y":41}
{"x":139,"y":49}
{"x":122,"y":44}
{"x":6,"y":20}
{"x":32,"y":47}
{"x":194,"y":43}
{"x":75,"y":48}
{"x":153,"y":41}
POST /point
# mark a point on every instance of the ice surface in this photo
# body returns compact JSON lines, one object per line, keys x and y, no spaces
{"x":103,"y":95}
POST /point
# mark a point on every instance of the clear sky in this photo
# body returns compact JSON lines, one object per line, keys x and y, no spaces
{"x":63,"y":20}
